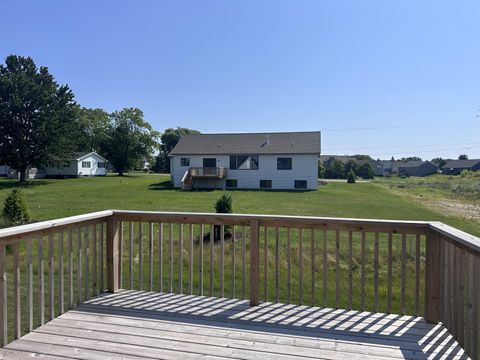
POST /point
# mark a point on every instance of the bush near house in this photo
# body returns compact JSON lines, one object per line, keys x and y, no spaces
{"x":351,"y":177}
{"x":15,"y":210}
{"x":223,"y":205}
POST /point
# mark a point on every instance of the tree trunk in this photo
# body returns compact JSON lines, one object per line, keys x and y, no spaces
{"x":120,"y":172}
{"x":23,"y":174}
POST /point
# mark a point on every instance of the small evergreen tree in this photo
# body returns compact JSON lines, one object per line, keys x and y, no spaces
{"x":223,"y":205}
{"x":351,"y":177}
{"x":15,"y":209}
{"x":321,"y":170}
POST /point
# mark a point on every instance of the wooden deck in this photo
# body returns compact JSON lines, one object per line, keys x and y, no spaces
{"x":147,"y":325}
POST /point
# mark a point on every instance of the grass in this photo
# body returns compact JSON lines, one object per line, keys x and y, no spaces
{"x":50,"y":199}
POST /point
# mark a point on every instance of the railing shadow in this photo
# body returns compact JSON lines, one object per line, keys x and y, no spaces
{"x":411,"y":336}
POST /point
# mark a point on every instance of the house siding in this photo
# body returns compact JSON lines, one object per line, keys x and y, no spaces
{"x":75,"y":168}
{"x":304,"y":167}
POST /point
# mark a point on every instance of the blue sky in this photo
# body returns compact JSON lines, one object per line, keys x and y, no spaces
{"x":380,"y":77}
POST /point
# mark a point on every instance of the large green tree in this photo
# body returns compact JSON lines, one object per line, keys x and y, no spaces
{"x":169,"y":139}
{"x":93,"y":125}
{"x":37,"y":116}
{"x":129,"y":139}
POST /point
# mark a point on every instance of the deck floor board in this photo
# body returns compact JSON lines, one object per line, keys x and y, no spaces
{"x":147,"y":325}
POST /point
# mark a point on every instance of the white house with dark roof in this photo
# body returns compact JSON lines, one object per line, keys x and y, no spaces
{"x":286,"y":160}
{"x":81,"y":164}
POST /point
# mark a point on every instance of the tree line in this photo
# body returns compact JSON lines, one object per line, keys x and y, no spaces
{"x":41,"y":124}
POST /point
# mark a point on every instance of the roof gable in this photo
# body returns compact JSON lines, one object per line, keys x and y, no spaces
{"x":249,"y":143}
{"x":81,"y":155}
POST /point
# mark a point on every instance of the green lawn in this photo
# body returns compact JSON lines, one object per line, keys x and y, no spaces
{"x":50,"y":199}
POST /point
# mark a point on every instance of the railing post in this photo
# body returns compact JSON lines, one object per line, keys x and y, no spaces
{"x":254,"y":263}
{"x":432,"y":278}
{"x":113,"y":263}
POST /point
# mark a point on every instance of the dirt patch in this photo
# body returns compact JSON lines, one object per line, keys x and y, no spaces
{"x":452,"y":207}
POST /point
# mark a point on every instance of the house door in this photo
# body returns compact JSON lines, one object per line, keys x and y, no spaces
{"x":209,"y":162}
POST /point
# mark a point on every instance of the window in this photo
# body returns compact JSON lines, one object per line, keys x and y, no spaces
{"x":184,"y":161}
{"x":265,"y":184}
{"x":300,"y":184}
{"x":231,"y":183}
{"x":101,"y":164}
{"x":284,"y":163}
{"x":244,"y":162}
{"x":86,"y":164}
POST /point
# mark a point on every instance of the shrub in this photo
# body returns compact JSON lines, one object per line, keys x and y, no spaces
{"x":365,"y":171}
{"x":223,"y":205}
{"x":15,"y":209}
{"x":321,"y":170}
{"x":351,"y":177}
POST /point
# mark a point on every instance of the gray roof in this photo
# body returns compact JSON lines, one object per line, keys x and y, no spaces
{"x":249,"y":143}
{"x":412,"y":164}
{"x":456,"y":164}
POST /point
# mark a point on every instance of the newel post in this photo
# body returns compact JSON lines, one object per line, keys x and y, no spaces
{"x":432,"y":278}
{"x":254,"y":263}
{"x":113,"y":263}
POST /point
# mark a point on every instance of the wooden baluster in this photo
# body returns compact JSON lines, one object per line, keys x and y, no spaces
{"x":95,"y":258}
{"x":389,"y":273}
{"x":325,"y":267}
{"x":130,"y":254}
{"x":41,"y":281}
{"x":265,"y":264}
{"x":350,"y":269}
{"x":51,"y":278}
{"x":30,"y":284}
{"x":60,"y":273}
{"x":337,"y":269}
{"x":222,"y":260}
{"x":3,"y":296}
{"x":87,"y":262}
{"x":233,"y":260}
{"x":375,"y":273}
{"x":160,"y":256}
{"x":404,"y":268}
{"x":476,"y":306}
{"x":180,"y":273}
{"x":190,"y":262}
{"x":432,"y":278}
{"x":300,"y":265}
{"x":120,"y":257}
{"x":212,"y":229}
{"x":469,"y":297}
{"x":140,"y":255}
{"x":150,"y":255}
{"x":17,"y":317}
{"x":362,"y":273}
{"x":277,"y":267}
{"x":460,"y":294}
{"x":171,"y":258}
{"x":254,"y":263}
{"x":417,"y":275}
{"x":112,"y":248}
{"x":289,"y":264}
{"x":70,"y":268}
{"x":200,"y":269}
{"x":244,"y":263}
{"x":313,"y":266}
{"x":102,"y":268}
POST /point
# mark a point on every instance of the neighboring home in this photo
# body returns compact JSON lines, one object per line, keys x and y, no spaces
{"x":417,"y":168}
{"x":3,"y":170}
{"x":81,"y":164}
{"x":286,"y":160}
{"x":455,"y":167}
{"x":390,"y":166}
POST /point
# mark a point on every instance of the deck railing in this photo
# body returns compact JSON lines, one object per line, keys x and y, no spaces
{"x":209,"y":172}
{"x":407,"y":267}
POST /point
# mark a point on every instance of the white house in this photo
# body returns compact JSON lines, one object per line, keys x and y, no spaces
{"x":82,"y":164}
{"x":287,"y":160}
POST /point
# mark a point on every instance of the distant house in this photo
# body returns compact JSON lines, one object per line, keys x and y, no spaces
{"x":81,"y":164}
{"x":286,"y":160}
{"x":417,"y":168}
{"x":3,"y":170}
{"x":455,"y":167}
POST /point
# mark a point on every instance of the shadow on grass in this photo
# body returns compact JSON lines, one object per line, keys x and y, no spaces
{"x":163,"y":185}
{"x":14,"y":184}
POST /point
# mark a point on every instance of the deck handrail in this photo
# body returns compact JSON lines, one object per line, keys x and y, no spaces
{"x":443,"y":263}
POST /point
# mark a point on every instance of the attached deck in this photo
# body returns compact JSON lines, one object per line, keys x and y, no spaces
{"x":147,"y":325}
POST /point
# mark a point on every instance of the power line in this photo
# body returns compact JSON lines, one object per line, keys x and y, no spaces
{"x":406,"y":147}
{"x":365,"y":128}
